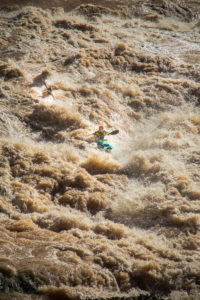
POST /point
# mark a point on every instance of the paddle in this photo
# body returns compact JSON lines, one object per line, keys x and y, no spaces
{"x":114,"y":132}
{"x":49,"y":90}
{"x":111,"y":133}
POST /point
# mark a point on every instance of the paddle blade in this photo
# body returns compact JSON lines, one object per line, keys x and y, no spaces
{"x":114,"y":132}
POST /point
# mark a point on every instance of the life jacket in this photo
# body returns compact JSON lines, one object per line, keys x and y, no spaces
{"x":100,"y":134}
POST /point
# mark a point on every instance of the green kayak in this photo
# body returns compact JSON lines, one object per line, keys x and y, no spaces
{"x":104,"y":144}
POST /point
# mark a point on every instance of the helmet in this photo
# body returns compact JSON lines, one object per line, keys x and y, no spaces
{"x":100,"y":127}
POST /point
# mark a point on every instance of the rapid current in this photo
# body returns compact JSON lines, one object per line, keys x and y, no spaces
{"x":78,"y":222}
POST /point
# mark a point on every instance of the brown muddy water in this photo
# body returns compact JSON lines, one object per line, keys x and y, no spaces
{"x":78,"y":222}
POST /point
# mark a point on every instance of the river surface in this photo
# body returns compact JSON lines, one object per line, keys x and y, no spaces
{"x":78,"y":222}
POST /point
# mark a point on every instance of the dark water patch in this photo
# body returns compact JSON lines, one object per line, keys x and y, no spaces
{"x":39,"y":80}
{"x":66,"y":24}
